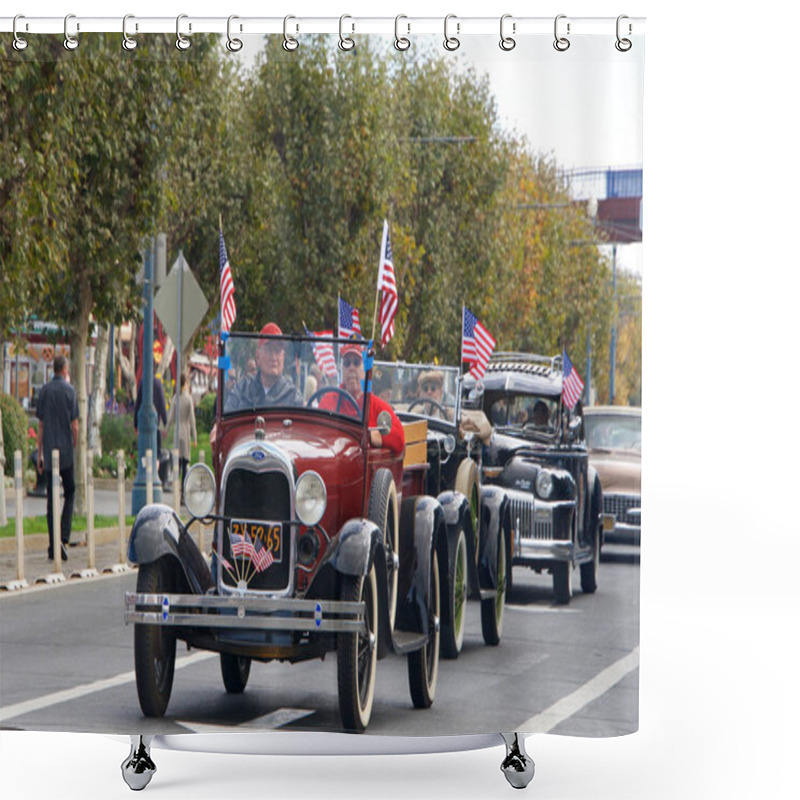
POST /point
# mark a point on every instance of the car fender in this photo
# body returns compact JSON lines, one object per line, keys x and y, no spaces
{"x":352,"y":552}
{"x":596,"y":503}
{"x":157,"y":533}
{"x":422,"y":526}
{"x":494,"y":517}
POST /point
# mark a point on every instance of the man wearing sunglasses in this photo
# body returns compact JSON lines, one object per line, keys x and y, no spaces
{"x":268,"y":386}
{"x":431,"y":387}
{"x":352,"y":359}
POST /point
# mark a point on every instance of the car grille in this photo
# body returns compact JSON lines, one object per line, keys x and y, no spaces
{"x":263,"y":496}
{"x":620,"y":504}
{"x":522,"y":513}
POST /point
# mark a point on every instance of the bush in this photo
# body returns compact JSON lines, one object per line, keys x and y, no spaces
{"x":206,"y":413}
{"x":116,"y":433}
{"x":15,"y":431}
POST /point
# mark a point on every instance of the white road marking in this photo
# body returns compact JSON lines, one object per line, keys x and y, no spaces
{"x":269,"y":722}
{"x":38,"y":703}
{"x":572,"y":703}
{"x":544,"y":609}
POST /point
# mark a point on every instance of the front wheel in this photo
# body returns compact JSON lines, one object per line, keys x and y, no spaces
{"x":356,"y":654}
{"x":453,"y":629}
{"x":493,"y":608}
{"x":562,"y":582}
{"x":423,"y":665}
{"x":589,"y":570}
{"x":235,"y":672}
{"x":154,"y":645}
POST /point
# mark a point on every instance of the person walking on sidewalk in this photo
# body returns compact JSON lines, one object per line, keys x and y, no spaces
{"x":57,"y":411}
{"x":187,"y":427}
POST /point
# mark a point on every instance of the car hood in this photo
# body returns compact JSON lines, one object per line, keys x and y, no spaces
{"x":619,"y":471}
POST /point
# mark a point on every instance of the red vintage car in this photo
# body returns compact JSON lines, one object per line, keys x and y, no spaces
{"x":324,"y":538}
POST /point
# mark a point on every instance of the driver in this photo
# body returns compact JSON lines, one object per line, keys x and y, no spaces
{"x":431,"y":387}
{"x":268,"y":386}
{"x":352,"y":381}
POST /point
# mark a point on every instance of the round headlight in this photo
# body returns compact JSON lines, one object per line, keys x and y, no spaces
{"x":544,"y":484}
{"x":199,"y":490}
{"x":311,"y":498}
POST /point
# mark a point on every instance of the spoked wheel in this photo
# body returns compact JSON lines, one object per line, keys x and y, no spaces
{"x":467,"y":484}
{"x":154,"y":645}
{"x":356,"y":654}
{"x":453,"y":630}
{"x":383,"y":512}
{"x":235,"y":672}
{"x":493,"y":608}
{"x":423,"y":665}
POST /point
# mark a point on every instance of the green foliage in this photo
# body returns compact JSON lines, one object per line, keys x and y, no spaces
{"x":116,"y":433}
{"x":205,"y":413}
{"x":15,"y":431}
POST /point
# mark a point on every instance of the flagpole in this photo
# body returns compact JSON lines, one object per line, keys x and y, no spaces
{"x":461,"y":362}
{"x":338,"y":313}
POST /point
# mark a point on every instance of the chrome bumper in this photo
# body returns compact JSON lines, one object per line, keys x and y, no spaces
{"x":253,"y":613}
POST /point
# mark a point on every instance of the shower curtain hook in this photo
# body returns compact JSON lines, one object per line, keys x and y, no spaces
{"x":346,"y":42}
{"x":290,"y":44}
{"x":401,"y":42}
{"x":623,"y":45}
{"x":233,"y":45}
{"x":181,"y":42}
{"x":70,"y":42}
{"x":128,"y":42}
{"x":561,"y":43}
{"x":451,"y":42}
{"x":19,"y":43}
{"x":506,"y":42}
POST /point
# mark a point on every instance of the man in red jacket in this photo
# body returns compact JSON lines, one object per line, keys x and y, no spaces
{"x":352,"y":355}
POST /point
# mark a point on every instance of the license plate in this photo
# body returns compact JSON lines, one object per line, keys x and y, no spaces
{"x":262,"y":535}
{"x":609,"y":522}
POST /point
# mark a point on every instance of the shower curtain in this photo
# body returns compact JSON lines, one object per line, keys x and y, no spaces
{"x":507,"y":171}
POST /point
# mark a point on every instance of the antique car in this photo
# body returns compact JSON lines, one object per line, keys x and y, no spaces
{"x":614,"y":439}
{"x":478,"y":524}
{"x":538,"y":455}
{"x":322,"y":542}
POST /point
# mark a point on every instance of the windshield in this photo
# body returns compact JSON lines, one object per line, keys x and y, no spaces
{"x":526,"y":413}
{"x":614,"y":431}
{"x":423,"y":389}
{"x":324,"y":374}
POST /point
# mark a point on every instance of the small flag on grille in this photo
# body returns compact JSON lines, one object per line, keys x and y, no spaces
{"x":573,"y":385}
{"x":477,"y":344}
{"x":262,"y":559}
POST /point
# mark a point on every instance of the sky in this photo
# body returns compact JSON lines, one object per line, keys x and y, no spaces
{"x":719,"y":698}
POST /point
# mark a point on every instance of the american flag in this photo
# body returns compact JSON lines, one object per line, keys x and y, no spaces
{"x":387,"y":287}
{"x":323,"y":354}
{"x":476,"y":345}
{"x":228,"y":314}
{"x":349,"y":321}
{"x":573,"y":385}
{"x":243,"y":548}
{"x":262,"y":559}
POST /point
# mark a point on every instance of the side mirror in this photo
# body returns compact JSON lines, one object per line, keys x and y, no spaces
{"x":384,"y":423}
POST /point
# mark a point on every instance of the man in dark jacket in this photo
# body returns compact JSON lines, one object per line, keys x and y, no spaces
{"x":57,"y":411}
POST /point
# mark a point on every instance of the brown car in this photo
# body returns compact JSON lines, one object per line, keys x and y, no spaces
{"x":614,"y":439}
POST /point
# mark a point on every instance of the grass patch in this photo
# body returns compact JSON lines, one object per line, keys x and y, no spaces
{"x":32,"y":525}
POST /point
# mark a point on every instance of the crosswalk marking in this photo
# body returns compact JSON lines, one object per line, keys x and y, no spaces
{"x":268,"y":722}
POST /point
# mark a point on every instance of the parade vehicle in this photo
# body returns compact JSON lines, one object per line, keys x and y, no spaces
{"x":478,"y":525}
{"x":538,"y":455}
{"x":614,"y":439}
{"x":323,"y":543}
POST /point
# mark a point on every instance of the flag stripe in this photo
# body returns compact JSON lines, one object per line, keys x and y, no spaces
{"x":228,"y":304}
{"x":477,"y":344}
{"x":387,"y":286}
{"x":572,"y":386}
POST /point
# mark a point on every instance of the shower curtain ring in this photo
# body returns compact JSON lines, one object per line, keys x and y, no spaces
{"x":181,"y":42}
{"x":451,"y":42}
{"x":233,"y":45}
{"x":346,"y":42}
{"x":289,"y":42}
{"x":506,"y":42}
{"x":128,"y":42}
{"x":401,"y":42}
{"x":561,"y":43}
{"x":70,"y":41}
{"x":19,"y":43}
{"x":623,"y":45}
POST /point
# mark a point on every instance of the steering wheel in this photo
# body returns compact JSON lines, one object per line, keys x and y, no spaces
{"x":431,"y":403}
{"x":343,"y":396}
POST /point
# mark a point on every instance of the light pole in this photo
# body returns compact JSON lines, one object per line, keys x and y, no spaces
{"x":613,"y":354}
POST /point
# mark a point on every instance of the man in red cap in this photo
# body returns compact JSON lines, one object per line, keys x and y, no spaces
{"x":268,"y":386}
{"x":352,"y":381}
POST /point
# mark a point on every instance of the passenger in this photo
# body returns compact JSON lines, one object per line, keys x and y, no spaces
{"x":541,"y":414}
{"x":269,"y":386}
{"x":352,"y":382}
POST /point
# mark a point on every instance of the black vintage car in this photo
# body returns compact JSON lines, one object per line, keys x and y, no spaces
{"x":538,"y":455}
{"x":478,"y":522}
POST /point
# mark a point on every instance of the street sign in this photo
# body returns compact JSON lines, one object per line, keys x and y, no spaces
{"x":180,"y":323}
